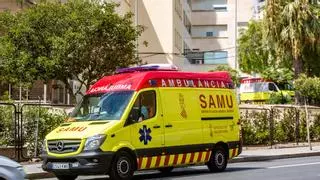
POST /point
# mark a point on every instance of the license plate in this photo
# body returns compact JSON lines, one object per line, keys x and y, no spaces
{"x":60,"y":166}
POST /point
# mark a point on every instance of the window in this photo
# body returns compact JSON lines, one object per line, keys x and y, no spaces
{"x":215,"y":57}
{"x":210,"y":5}
{"x":108,"y":106}
{"x":209,"y":34}
{"x":198,"y":61}
{"x":211,"y":57}
{"x":209,"y":31}
{"x":144,"y":107}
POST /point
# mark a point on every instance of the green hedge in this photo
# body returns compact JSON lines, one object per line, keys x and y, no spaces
{"x":256,"y":126}
{"x":49,"y":119}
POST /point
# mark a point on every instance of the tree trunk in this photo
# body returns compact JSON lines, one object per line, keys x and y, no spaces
{"x":298,"y":69}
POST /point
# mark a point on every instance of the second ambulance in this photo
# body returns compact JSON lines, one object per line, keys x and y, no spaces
{"x":147,"y":117}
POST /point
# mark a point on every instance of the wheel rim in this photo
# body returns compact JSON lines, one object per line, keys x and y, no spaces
{"x":219,"y":159}
{"x":123,"y":167}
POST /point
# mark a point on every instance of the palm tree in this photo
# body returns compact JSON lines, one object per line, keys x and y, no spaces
{"x":292,"y":27}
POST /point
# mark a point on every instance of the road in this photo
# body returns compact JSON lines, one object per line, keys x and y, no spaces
{"x":284,"y":169}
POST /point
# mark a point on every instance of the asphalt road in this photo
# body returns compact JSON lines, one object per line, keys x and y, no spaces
{"x":306,"y":168}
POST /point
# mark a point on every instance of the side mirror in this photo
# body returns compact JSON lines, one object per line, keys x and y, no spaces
{"x":134,"y":116}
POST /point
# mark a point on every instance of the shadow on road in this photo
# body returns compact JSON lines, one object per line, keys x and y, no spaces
{"x":181,"y":172}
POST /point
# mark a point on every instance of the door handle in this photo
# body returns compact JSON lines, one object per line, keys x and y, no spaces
{"x":168,"y":126}
{"x":156,"y":126}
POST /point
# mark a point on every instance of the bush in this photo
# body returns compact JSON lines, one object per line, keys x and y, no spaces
{"x":255,"y":127}
{"x":6,"y":125}
{"x":48,"y":121}
{"x":309,"y":87}
{"x":279,"y":98}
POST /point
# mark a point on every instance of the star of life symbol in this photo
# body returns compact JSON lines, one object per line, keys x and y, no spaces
{"x":145,"y":136}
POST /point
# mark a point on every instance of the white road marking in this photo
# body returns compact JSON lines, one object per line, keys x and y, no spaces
{"x":293,"y":165}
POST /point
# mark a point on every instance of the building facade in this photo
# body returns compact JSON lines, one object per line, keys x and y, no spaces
{"x":215,"y":27}
{"x":195,"y":35}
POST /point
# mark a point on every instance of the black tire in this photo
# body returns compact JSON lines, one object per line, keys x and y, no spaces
{"x":66,"y":177}
{"x":165,"y":170}
{"x":122,"y":167}
{"x":218,"y":160}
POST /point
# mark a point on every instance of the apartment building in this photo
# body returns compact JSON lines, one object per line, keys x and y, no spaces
{"x":167,"y":30}
{"x":215,"y":27}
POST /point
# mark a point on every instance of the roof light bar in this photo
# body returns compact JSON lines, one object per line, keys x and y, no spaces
{"x":148,"y":67}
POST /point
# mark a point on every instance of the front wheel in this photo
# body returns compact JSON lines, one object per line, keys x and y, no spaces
{"x":122,"y":167}
{"x":218,"y":161}
{"x":66,"y":177}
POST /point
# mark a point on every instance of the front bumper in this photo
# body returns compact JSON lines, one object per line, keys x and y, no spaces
{"x":86,"y":163}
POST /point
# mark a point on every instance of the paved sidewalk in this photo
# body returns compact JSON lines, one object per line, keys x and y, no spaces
{"x":34,"y":170}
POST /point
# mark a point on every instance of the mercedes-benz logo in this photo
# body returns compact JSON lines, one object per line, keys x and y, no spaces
{"x":60,"y":145}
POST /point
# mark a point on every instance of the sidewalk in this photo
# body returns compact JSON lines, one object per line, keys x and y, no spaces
{"x":263,"y":153}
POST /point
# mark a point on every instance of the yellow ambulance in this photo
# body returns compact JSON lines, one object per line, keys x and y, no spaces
{"x":259,"y":90}
{"x":147,"y":117}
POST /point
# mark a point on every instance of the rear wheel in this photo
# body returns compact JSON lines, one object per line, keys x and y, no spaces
{"x":165,"y":170}
{"x":218,"y":160}
{"x":66,"y":177}
{"x":122,"y":167}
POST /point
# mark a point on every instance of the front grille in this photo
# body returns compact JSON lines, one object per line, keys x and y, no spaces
{"x":63,"y":146}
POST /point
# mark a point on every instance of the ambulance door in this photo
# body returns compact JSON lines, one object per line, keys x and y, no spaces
{"x":147,"y":128}
{"x":181,"y":119}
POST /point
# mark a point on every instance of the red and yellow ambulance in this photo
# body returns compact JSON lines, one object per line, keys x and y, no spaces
{"x":259,"y":90}
{"x":147,"y":117}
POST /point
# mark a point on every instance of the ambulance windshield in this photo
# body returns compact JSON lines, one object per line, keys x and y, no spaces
{"x":108,"y":106}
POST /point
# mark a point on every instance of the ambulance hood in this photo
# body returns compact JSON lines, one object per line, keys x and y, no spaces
{"x":80,"y":130}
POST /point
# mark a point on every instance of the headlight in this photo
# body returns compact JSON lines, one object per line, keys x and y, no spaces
{"x":94,"y":142}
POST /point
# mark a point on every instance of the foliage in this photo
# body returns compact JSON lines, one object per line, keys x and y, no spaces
{"x":279,"y":98}
{"x":49,"y":119}
{"x":6,"y":125}
{"x":253,"y":52}
{"x":309,"y":87}
{"x":287,"y":37}
{"x":234,"y":73}
{"x":80,"y":39}
{"x":256,"y":126}
{"x":278,"y":75}
{"x":291,"y":28}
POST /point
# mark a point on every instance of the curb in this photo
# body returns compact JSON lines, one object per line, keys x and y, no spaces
{"x":268,"y":158}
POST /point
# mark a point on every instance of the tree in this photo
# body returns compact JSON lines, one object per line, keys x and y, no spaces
{"x":292,"y":29}
{"x":253,"y":52}
{"x":234,"y":73}
{"x":80,"y":39}
{"x":288,"y":37}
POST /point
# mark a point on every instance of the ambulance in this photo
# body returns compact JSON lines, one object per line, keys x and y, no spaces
{"x":259,"y":90}
{"x":147,"y":117}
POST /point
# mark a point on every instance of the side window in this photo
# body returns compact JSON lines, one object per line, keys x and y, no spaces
{"x":144,"y":107}
{"x":272,"y":87}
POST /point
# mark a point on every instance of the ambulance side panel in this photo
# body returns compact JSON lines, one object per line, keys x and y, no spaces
{"x":181,"y":120}
{"x":220,"y":116}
